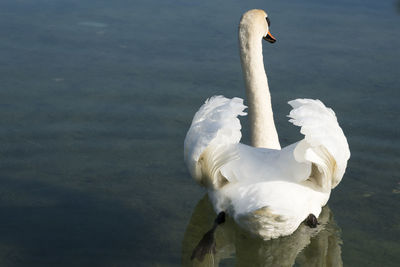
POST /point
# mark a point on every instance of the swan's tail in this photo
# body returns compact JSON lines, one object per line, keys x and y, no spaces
{"x":324,"y":143}
{"x":208,"y":143}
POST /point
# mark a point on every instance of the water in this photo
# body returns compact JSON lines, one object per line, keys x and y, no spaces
{"x":96,"y":98}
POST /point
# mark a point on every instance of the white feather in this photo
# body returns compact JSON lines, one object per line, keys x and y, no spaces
{"x":215,"y":126}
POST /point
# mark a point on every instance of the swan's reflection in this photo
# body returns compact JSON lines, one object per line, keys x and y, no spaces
{"x":305,"y":247}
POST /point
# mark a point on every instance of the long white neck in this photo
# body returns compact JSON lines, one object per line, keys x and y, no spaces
{"x":262,"y":126}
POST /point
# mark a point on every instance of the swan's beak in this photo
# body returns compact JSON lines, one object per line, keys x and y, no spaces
{"x":270,"y":38}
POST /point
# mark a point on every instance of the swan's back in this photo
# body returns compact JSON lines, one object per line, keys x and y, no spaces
{"x":212,"y":151}
{"x":267,"y":191}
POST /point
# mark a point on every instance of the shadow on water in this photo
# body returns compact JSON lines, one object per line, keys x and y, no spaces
{"x":398,"y":6}
{"x":320,"y":246}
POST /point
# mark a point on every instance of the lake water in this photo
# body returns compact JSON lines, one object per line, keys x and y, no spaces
{"x":96,"y":98}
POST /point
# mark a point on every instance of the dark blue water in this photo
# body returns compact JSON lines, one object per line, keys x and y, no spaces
{"x":96,"y":98}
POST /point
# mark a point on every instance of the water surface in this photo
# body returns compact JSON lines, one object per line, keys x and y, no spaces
{"x":96,"y":98}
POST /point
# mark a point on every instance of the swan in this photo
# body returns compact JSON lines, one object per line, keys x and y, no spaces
{"x":268,"y":191}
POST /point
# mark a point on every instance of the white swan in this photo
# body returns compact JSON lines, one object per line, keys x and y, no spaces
{"x":267,"y":190}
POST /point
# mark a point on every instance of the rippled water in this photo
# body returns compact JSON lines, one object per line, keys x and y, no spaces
{"x":96,"y":98}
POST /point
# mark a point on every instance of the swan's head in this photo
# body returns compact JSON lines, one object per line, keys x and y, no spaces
{"x":255,"y":24}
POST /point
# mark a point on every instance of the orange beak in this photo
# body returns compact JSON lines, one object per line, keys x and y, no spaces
{"x":270,"y":38}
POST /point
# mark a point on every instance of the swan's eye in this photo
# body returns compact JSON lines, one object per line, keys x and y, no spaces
{"x":268,"y":21}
